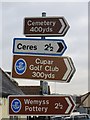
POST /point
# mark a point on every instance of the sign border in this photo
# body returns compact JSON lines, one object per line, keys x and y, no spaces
{"x":35,"y":39}
{"x":71,"y":64}
{"x":48,"y":35}
{"x":41,"y":96}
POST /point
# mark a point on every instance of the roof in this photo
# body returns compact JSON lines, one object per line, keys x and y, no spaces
{"x":85,"y":98}
{"x":32,"y":90}
{"x":7,"y":86}
{"x":86,"y":94}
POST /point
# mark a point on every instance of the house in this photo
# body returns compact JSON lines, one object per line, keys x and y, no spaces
{"x":7,"y":87}
{"x":84,"y":103}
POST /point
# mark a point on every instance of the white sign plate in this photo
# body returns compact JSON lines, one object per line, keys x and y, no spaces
{"x":39,"y":46}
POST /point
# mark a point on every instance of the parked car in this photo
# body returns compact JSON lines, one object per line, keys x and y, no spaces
{"x":67,"y":118}
{"x":57,"y":118}
{"x":78,"y":117}
{"x":73,"y":116}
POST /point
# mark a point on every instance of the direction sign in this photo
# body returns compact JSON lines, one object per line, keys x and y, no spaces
{"x":39,"y":46}
{"x":45,"y":26}
{"x":43,"y":67}
{"x":41,"y":105}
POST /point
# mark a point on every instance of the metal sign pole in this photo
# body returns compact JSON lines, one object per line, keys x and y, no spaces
{"x":43,"y":89}
{"x":43,"y":15}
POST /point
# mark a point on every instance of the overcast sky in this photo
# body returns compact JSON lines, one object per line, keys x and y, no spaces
{"x":76,"y":39}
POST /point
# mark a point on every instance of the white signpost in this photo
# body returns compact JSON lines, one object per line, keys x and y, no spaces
{"x":39,"y":46}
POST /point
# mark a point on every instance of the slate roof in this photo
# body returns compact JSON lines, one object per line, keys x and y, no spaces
{"x":85,"y":100}
{"x":32,"y":90}
{"x":7,"y":86}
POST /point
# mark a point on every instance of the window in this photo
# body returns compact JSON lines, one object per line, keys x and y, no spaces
{"x":0,"y":101}
{"x":28,"y":117}
{"x":88,"y":111}
{"x":13,"y":117}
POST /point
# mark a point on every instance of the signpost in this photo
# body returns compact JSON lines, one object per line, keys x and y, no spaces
{"x":43,"y":68}
{"x":45,"y":26}
{"x":52,"y":67}
{"x":39,"y":46}
{"x":41,"y":105}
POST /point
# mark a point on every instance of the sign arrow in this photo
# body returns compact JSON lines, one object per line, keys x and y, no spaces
{"x":45,"y":26}
{"x":60,"y":69}
{"x":41,"y":105}
{"x":64,"y":27}
{"x":60,"y":47}
{"x":39,"y":46}
{"x":70,"y":69}
{"x":70,"y":105}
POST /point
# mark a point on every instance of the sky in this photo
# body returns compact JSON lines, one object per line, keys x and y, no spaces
{"x":76,"y":13}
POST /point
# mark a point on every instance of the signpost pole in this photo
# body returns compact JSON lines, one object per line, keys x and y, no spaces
{"x":43,"y":15}
{"x":41,"y":82}
{"x":42,"y":67}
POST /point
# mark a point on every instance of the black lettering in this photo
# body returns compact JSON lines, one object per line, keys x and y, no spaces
{"x":28,"y":47}
{"x":35,"y":47}
{"x":24,"y":47}
{"x":19,"y":46}
{"x":31,"y":47}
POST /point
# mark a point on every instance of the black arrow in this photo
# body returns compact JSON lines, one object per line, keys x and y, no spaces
{"x":60,"y":47}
